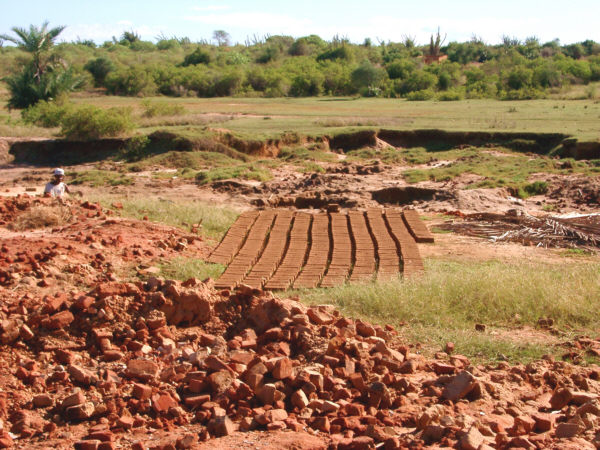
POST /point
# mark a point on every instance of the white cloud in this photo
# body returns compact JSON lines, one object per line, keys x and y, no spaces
{"x":125,"y":22}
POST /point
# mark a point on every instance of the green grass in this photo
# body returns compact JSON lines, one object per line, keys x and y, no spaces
{"x":317,"y":116}
{"x":447,"y":302}
{"x":186,"y":268}
{"x":310,"y":167}
{"x":303,"y":154}
{"x":181,"y":160}
{"x":241,"y":171}
{"x":511,"y":171}
{"x":98,"y":178}
{"x":326,"y":115}
{"x":216,"y":220}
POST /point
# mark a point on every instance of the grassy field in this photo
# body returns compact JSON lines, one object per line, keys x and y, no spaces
{"x":446,"y":303}
{"x":265,"y":118}
{"x":183,"y":213}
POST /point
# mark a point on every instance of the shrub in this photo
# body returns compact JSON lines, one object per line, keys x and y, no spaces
{"x":307,"y":85}
{"x":157,"y":109}
{"x":450,"y":95}
{"x":99,"y":68}
{"x":300,"y":47}
{"x":131,"y":82}
{"x":367,"y":75}
{"x":536,"y":188}
{"x":198,"y":56}
{"x":417,"y":81}
{"x":26,"y":89}
{"x":519,"y":78}
{"x":135,"y":148}
{"x":425,"y":94}
{"x":343,"y":52}
{"x":400,"y":68}
{"x":229,"y":83}
{"x":90,"y":122}
{"x":47,"y":114}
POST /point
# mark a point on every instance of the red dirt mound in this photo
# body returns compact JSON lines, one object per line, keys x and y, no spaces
{"x":107,"y":368}
{"x":92,"y":247}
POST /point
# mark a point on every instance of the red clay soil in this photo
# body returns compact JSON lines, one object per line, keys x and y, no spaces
{"x":97,"y":364}
{"x":166,"y":364}
{"x":91,"y":248}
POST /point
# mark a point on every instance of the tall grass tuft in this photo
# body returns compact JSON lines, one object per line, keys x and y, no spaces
{"x":458,"y":295}
{"x":215,"y":220}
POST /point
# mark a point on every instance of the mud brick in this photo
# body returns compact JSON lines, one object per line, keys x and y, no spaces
{"x":543,"y":422}
{"x":283,"y":369}
{"x":82,"y":376}
{"x":102,"y":436}
{"x":161,"y":403}
{"x":459,"y":386}
{"x":87,"y":445}
{"x":358,"y":382}
{"x":319,"y":317}
{"x":197,"y":385}
{"x":142,"y":369}
{"x":272,"y":415}
{"x":522,"y":425}
{"x":567,"y":430}
{"x":60,"y":320}
{"x":442,"y":369}
{"x":560,"y":398}
{"x":55,"y":304}
{"x":321,"y":424}
{"x":141,"y":391}
{"x":242,"y":357}
{"x":267,"y":393}
{"x":214,"y":363}
{"x":125,"y":422}
{"x":364,"y":329}
{"x":112,"y":355}
{"x":42,"y":401}
{"x":299,"y":399}
{"x":220,"y":381}
{"x":80,"y":412}
{"x":84,"y":302}
{"x":196,"y":401}
{"x":106,"y":446}
{"x":416,"y":226}
{"x":220,"y":426}
{"x":580,"y":398}
{"x":74,"y":399}
{"x":355,"y":409}
{"x":472,"y":439}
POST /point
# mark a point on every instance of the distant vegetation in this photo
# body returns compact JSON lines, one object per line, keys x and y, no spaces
{"x":277,"y":66}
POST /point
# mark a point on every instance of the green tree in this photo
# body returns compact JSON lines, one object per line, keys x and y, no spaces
{"x":37,"y":41}
{"x":45,"y":76}
{"x":99,"y":68}
{"x":198,"y":56}
{"x":367,"y":76}
{"x":222,"y":37}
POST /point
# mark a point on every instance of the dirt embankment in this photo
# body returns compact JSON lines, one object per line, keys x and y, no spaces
{"x":54,"y":151}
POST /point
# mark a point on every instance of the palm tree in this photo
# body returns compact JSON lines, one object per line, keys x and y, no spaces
{"x":35,"y":41}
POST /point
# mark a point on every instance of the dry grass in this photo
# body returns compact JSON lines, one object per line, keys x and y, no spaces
{"x":42,"y":217}
{"x":446,"y":303}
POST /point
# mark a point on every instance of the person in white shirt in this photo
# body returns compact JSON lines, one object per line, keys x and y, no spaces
{"x":57,"y":188}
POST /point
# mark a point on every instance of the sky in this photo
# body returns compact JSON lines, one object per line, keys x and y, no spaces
{"x":379,"y":20}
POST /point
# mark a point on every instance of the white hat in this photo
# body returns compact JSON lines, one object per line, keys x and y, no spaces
{"x":59,"y":172}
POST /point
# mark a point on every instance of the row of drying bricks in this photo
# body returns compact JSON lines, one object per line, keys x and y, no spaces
{"x":273,"y":272}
